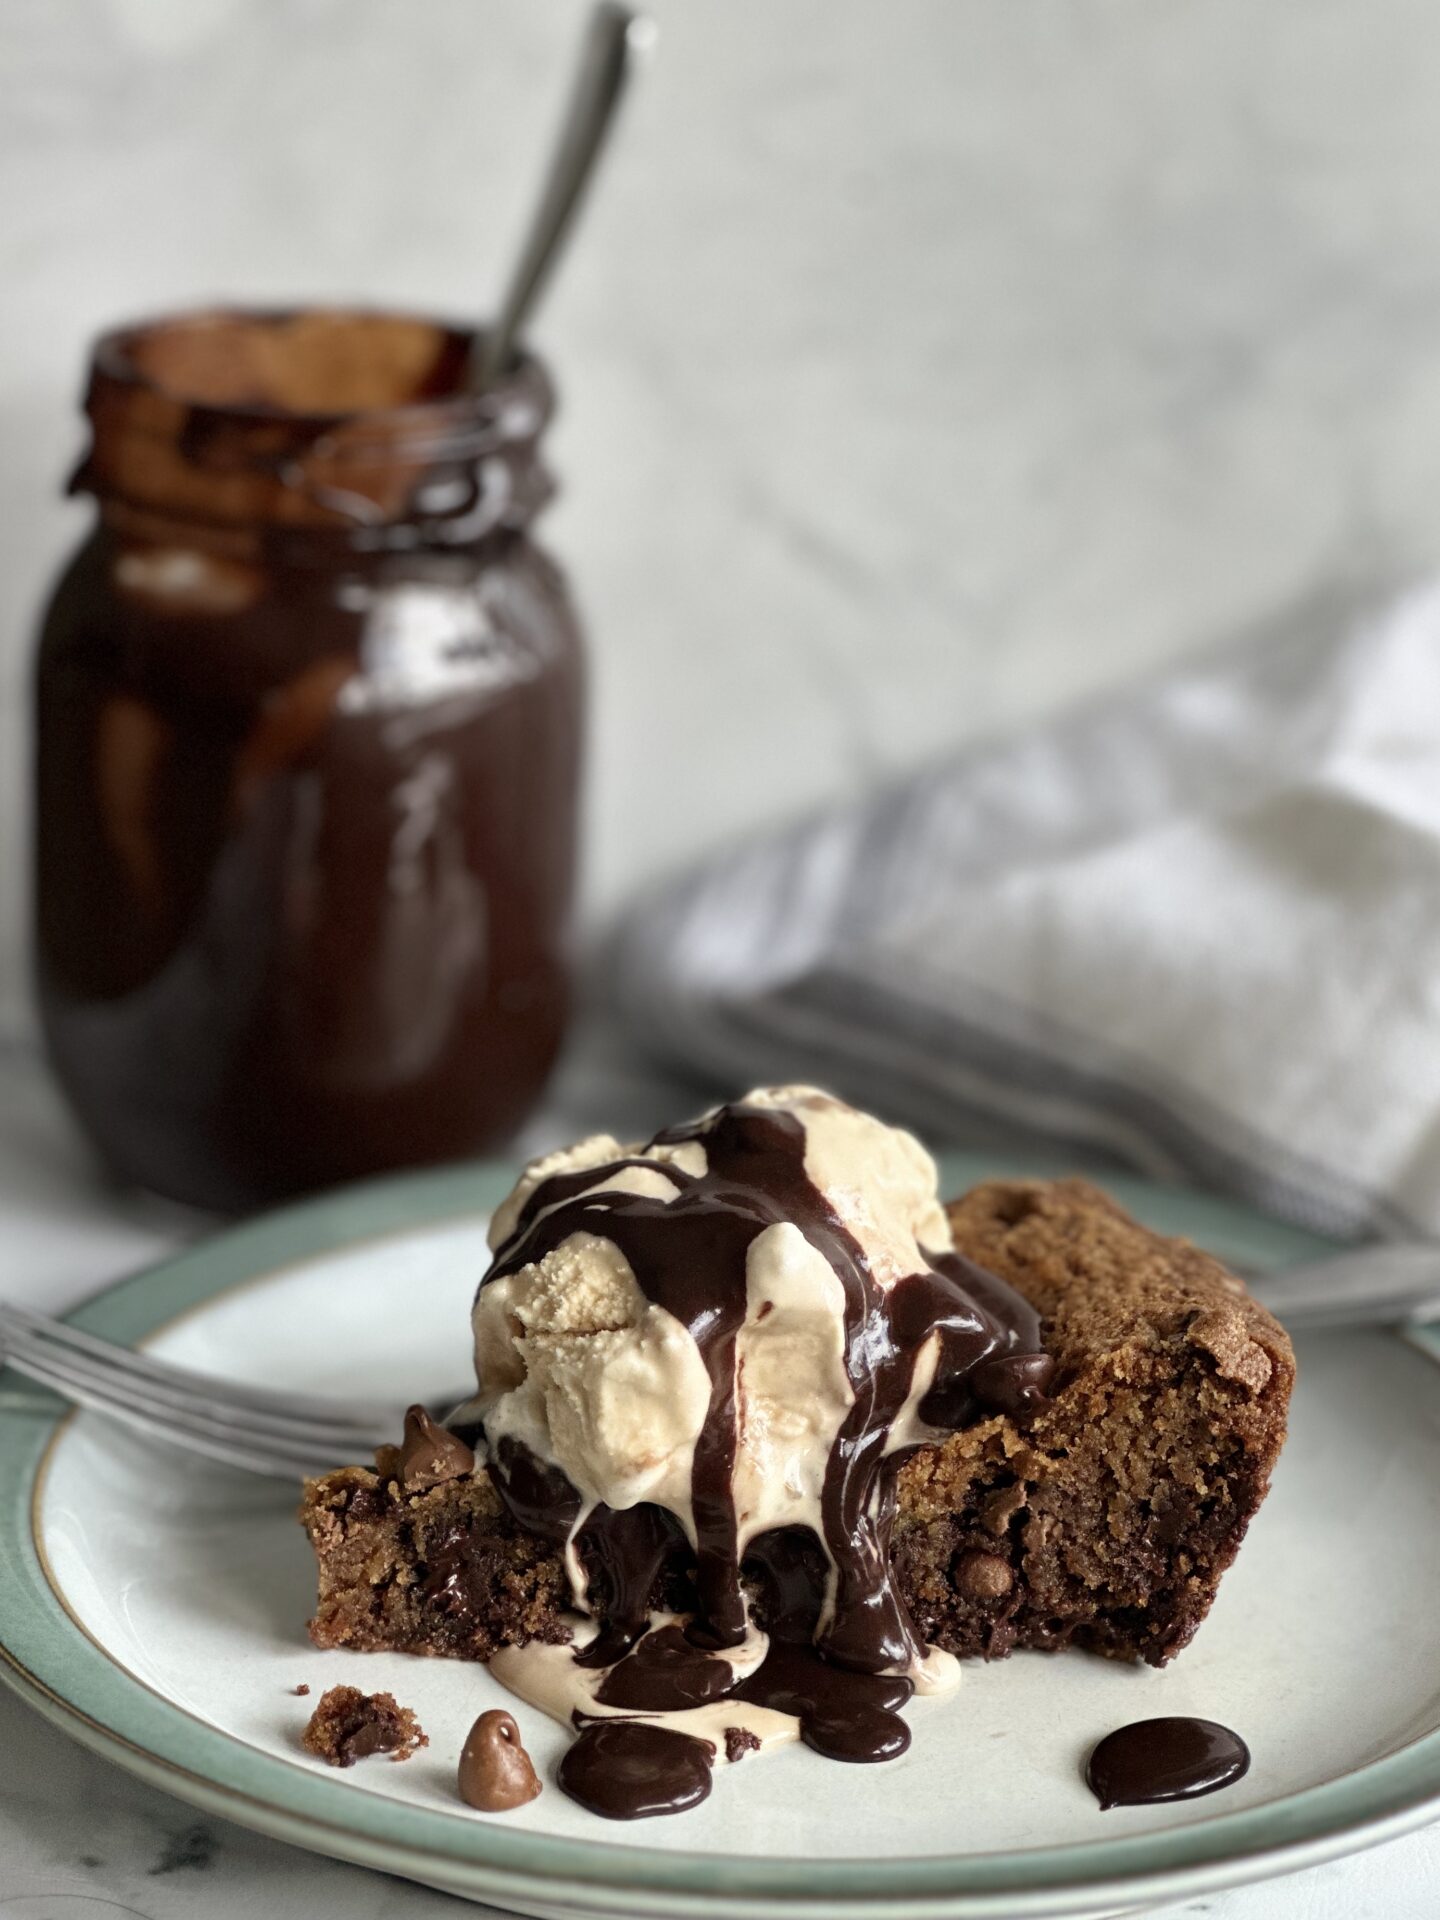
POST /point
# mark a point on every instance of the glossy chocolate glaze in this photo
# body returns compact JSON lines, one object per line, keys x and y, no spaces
{"x":665,"y":1673}
{"x":844,"y":1715}
{"x":308,"y":748}
{"x":840,"y":1637}
{"x":1169,"y":1759}
{"x":630,"y":1770}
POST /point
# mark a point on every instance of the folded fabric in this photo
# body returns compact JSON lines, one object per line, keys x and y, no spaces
{"x":1197,"y":928}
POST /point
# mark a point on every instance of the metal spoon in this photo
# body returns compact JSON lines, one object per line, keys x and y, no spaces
{"x":614,"y":42}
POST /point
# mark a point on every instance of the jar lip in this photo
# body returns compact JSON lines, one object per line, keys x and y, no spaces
{"x":355,"y":419}
{"x":117,"y":360}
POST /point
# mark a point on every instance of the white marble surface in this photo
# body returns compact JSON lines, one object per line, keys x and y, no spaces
{"x":72,"y":1825}
{"x":925,"y":364}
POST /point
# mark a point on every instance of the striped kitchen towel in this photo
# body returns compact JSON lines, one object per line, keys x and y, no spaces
{"x":1196,"y":928}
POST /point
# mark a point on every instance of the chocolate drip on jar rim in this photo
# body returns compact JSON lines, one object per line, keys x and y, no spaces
{"x":688,"y":1256}
{"x":1151,"y":1761}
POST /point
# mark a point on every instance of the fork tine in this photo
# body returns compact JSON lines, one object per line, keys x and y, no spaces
{"x":364,"y":1420}
{"x":250,"y":1456}
{"x":203,"y":1412}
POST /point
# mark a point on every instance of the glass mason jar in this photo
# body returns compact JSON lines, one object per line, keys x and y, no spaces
{"x":309,"y":710}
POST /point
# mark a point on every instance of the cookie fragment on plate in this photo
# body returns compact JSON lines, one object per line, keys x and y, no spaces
{"x":348,"y":1725}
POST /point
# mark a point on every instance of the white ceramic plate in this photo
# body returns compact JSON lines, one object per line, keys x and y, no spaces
{"x":156,"y":1607}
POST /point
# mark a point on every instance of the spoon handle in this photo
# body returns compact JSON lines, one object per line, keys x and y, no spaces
{"x":616,"y":36}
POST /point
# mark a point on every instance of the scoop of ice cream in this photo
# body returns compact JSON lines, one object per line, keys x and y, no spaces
{"x":578,"y":1362}
{"x":575,"y":1363}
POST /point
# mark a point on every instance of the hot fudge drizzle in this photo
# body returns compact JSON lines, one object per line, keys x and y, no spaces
{"x":842,"y":1651}
{"x":1178,"y":1758}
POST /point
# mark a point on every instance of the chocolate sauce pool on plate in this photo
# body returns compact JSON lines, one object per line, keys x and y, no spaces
{"x":631,"y":1770}
{"x":1156,"y":1760}
{"x":666,"y":1673}
{"x":845,"y":1716}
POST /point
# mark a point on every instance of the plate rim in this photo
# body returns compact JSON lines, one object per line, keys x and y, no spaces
{"x":48,"y":1659}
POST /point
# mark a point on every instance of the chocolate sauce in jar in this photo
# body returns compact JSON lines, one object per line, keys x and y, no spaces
{"x":308,"y":746}
{"x":1151,"y":1761}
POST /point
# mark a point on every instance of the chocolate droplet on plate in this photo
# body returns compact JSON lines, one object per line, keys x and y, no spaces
{"x":1174,"y":1759}
{"x":630,"y":1770}
{"x":496,"y":1773}
{"x":429,"y":1455}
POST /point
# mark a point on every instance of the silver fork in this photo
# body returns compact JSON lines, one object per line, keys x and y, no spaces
{"x":287,"y":1436}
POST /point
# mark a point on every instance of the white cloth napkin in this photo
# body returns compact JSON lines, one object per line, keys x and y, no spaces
{"x":1198,"y":929}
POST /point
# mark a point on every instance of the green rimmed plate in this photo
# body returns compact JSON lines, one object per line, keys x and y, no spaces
{"x":153,"y":1608}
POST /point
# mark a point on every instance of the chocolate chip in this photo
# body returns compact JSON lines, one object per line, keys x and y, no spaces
{"x":495,"y":1771}
{"x":349,"y":1725}
{"x":983,"y":1576}
{"x":1172,"y":1514}
{"x":738,"y":1742}
{"x":429,"y":1455}
{"x":367,"y":1503}
{"x":1013,"y":1383}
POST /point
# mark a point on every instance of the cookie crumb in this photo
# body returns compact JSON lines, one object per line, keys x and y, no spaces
{"x":349,"y":1725}
{"x":302,"y":1688}
{"x":738,"y":1742}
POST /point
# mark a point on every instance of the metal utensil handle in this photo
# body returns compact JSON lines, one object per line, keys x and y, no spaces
{"x":1376,"y":1285}
{"x":616,"y":35}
